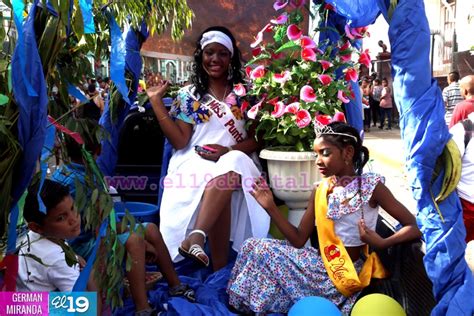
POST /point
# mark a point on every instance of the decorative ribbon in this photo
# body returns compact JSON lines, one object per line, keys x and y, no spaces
{"x":337,"y":261}
{"x":18,"y":10}
{"x":10,"y":263}
{"x":117,"y":56}
{"x":81,"y":282}
{"x":75,"y":92}
{"x":86,"y":10}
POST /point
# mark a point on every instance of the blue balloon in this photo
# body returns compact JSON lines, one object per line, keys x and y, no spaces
{"x":313,"y":304}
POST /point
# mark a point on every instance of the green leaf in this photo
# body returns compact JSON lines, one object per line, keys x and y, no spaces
{"x":78,"y":21}
{"x":288,"y":46}
{"x":95,"y":195}
{"x":3,"y":99}
{"x":64,"y":11}
{"x":280,"y":33}
{"x":261,"y":56}
{"x":299,"y":146}
{"x":32,"y":256}
{"x":2,"y":29}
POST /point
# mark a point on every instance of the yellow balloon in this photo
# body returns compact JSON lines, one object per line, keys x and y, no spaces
{"x":377,"y":305}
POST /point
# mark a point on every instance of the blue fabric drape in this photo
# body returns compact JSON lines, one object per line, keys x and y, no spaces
{"x":87,"y":17}
{"x":132,"y":62}
{"x":424,"y":134}
{"x":29,"y":88}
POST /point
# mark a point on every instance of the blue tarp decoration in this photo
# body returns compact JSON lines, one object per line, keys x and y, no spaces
{"x":132,"y":63}
{"x":424,"y":134}
{"x":87,"y":17}
{"x":75,"y":92}
{"x":29,"y":88}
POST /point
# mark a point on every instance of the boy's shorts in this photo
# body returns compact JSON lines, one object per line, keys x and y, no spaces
{"x":124,"y":236}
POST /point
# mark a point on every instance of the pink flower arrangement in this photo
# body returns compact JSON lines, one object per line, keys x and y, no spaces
{"x":293,"y":81}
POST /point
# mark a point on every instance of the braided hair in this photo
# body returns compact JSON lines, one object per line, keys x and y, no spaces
{"x":200,"y":78}
{"x":361,"y":153}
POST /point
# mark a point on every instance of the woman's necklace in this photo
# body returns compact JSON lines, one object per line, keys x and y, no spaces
{"x":215,"y":95}
{"x":222,"y":104}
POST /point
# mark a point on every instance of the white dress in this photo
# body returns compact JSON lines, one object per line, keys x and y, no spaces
{"x":186,"y":180}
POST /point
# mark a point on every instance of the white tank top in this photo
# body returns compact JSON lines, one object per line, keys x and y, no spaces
{"x":345,"y":206}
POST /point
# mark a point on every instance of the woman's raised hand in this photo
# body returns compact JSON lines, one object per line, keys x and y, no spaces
{"x":158,"y":91}
{"x":262,"y":193}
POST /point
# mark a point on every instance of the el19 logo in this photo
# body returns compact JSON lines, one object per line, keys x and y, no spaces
{"x":76,"y":303}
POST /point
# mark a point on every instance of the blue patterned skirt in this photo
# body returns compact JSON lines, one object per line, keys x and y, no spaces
{"x":270,"y":275}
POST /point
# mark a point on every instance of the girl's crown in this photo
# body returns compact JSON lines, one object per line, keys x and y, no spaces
{"x":321,"y":126}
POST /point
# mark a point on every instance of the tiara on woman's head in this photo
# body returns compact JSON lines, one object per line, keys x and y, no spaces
{"x":321,"y":129}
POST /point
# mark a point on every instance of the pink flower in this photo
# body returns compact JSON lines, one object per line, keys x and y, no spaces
{"x":248,"y":71}
{"x":326,"y":64}
{"x":329,"y":7}
{"x":345,"y":46}
{"x":231,"y":99}
{"x":342,"y":96}
{"x":349,"y":34}
{"x":283,"y":77}
{"x":258,"y":40}
{"x":346,"y":58}
{"x":258,"y":72}
{"x":307,"y":94}
{"x":279,"y":4}
{"x":293,"y":32}
{"x":256,"y":51}
{"x":351,"y":74}
{"x":303,"y":118}
{"x":308,"y":54}
{"x":243,"y":107}
{"x":239,"y":90}
{"x":252,"y":113}
{"x":325,"y":79}
{"x":364,"y":58}
{"x":281,"y":19}
{"x":339,"y":117}
{"x":323,"y":119}
{"x":307,"y":42}
{"x":278,"y":110}
{"x":259,"y":37}
{"x":273,"y":101}
{"x":355,"y":33}
{"x":292,"y":108}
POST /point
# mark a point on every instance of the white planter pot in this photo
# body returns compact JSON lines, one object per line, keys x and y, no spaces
{"x":293,"y":176}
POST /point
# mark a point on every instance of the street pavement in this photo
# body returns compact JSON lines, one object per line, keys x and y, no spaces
{"x":387,"y":157}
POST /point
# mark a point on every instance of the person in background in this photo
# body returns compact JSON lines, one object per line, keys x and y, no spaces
{"x":386,"y":105}
{"x":462,"y":109}
{"x":462,"y":135}
{"x":376,"y":93}
{"x":94,"y":108}
{"x":365,"y":89}
{"x":451,"y":95}
{"x":206,"y":189}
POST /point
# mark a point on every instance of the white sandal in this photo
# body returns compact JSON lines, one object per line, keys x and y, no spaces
{"x":195,"y":252}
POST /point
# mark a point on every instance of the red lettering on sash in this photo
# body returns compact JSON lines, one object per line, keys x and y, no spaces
{"x":215,"y":107}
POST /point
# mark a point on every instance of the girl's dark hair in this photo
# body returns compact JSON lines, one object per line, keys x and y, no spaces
{"x":361,"y":153}
{"x":52,"y":193}
{"x":200,"y":78}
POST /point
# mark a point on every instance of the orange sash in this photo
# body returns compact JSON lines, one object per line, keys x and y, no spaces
{"x":337,"y":261}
